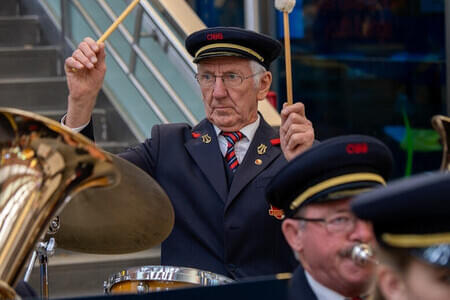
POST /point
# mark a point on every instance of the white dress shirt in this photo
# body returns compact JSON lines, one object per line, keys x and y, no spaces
{"x":321,"y":291}
{"x":77,"y":129}
{"x":241,"y":146}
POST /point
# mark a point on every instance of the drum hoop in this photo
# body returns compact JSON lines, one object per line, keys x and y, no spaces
{"x":167,"y":273}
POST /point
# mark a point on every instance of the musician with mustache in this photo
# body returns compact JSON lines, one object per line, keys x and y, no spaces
{"x":314,"y":191}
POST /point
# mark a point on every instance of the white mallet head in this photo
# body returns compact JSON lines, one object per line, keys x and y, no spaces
{"x":285,"y":5}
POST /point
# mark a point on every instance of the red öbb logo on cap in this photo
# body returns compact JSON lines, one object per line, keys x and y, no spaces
{"x":357,"y":148}
{"x":214,"y":36}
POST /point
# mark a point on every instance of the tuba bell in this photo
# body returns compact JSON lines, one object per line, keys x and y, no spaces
{"x":42,"y":167}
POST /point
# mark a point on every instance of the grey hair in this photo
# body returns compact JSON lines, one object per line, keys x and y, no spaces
{"x":258,"y":70}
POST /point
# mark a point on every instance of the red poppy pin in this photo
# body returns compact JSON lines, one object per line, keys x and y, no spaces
{"x":276,"y":212}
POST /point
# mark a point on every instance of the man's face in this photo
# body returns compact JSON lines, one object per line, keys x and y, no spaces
{"x":232,"y":108}
{"x":326,"y":255}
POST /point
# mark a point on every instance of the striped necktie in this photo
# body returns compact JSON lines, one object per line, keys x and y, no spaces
{"x":230,"y":155}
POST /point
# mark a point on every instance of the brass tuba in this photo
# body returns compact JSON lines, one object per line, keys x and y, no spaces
{"x":442,"y":125}
{"x":42,"y":167}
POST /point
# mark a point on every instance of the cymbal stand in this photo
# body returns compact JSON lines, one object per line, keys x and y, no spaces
{"x":44,"y":250}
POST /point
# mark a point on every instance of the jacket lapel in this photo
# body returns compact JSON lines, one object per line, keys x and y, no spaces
{"x":204,"y":149}
{"x":250,"y":167}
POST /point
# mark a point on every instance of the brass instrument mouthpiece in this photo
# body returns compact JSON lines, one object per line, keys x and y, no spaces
{"x":362,"y":254}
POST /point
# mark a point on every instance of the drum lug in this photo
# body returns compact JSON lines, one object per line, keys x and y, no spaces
{"x":142,"y":288}
{"x":105,"y":287}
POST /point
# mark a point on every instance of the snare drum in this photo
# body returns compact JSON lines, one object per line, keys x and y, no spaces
{"x":146,"y":279}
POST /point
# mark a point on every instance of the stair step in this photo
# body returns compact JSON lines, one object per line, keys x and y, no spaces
{"x":34,"y":93}
{"x":19,"y":31}
{"x":19,"y":62}
{"x":9,"y":8}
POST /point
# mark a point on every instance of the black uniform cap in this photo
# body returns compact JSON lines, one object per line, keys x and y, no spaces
{"x":335,"y":169}
{"x":232,"y":41}
{"x":411,"y":213}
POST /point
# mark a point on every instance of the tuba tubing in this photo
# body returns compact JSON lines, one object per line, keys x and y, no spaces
{"x":42,"y":167}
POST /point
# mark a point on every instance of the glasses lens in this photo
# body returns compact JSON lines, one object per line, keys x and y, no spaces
{"x":341,"y":223}
{"x":231,"y":79}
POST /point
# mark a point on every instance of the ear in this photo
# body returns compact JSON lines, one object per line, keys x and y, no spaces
{"x":264,"y":86}
{"x":293,"y":234}
{"x":391,"y":284}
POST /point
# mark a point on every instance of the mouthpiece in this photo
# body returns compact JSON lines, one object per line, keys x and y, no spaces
{"x":362,"y":254}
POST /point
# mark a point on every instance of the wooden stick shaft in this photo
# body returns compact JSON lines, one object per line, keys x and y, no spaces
{"x":287,"y":52}
{"x":117,"y":21}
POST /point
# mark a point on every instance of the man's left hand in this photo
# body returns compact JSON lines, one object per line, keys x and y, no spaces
{"x":296,"y":131}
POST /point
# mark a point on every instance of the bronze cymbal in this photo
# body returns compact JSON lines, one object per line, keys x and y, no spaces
{"x":42,"y":166}
{"x":134,"y":215}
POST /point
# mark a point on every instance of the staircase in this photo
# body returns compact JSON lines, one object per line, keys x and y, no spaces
{"x":32,"y":75}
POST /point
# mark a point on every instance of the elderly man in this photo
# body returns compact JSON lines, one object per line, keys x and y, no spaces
{"x":411,"y":221}
{"x":314,"y":191}
{"x":214,"y":173}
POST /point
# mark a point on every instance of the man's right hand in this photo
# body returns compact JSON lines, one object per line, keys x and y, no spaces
{"x":85,"y":71}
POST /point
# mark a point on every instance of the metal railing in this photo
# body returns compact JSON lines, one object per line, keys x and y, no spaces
{"x":144,"y":14}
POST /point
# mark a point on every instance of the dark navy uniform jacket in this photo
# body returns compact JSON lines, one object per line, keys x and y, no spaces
{"x":299,"y":287}
{"x":221,"y":230}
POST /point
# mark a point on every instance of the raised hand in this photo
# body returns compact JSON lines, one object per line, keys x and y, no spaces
{"x":85,"y":72}
{"x":296,"y":131}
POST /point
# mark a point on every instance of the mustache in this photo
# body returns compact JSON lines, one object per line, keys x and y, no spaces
{"x":346,"y":252}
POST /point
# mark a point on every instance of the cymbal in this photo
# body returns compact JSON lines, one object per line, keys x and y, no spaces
{"x":134,"y":215}
{"x":42,"y":166}
{"x":106,"y":204}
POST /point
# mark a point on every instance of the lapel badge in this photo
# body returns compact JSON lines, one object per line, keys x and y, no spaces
{"x":276,"y":212}
{"x":258,"y":162}
{"x":262,"y":149}
{"x":206,"y":139}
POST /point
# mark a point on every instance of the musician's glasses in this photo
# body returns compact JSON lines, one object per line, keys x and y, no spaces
{"x":340,"y":222}
{"x":230,"y":80}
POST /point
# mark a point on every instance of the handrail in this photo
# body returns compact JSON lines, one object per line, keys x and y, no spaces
{"x":147,"y":62}
{"x":121,"y":63}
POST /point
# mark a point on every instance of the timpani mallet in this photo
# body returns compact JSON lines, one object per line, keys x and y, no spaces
{"x":286,"y":6}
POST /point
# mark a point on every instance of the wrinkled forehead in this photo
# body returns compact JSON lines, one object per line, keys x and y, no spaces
{"x":224,"y":64}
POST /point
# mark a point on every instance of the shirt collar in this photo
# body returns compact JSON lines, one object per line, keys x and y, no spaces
{"x":321,"y":291}
{"x":248,"y":131}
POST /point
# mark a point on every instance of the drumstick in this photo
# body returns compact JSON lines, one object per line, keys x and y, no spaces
{"x":286,"y":7}
{"x":114,"y":25}
{"x":117,"y":21}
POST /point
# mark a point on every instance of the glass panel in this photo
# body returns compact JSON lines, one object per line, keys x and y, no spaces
{"x":372,"y":67}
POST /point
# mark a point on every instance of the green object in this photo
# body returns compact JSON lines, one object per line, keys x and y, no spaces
{"x":423,"y":140}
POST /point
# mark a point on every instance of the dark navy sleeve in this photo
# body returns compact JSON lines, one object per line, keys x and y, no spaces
{"x":145,"y":155}
{"x":88,"y":131}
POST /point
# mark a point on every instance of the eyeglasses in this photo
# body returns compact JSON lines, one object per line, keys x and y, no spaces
{"x":342,"y":222}
{"x":230,"y":80}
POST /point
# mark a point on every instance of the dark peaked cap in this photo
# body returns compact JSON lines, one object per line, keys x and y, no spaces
{"x":232,"y":41}
{"x":335,"y":169}
{"x":411,"y":213}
